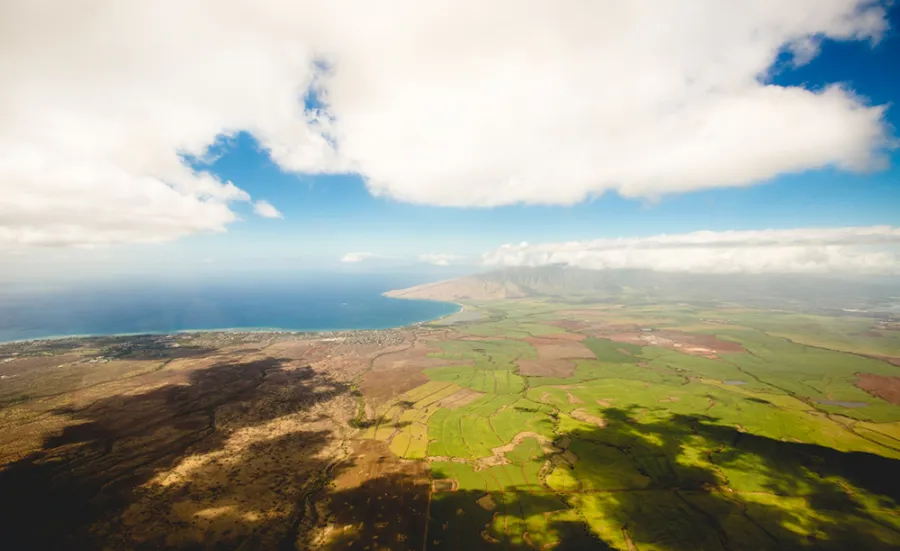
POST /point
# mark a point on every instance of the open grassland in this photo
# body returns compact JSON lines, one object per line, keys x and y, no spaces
{"x":842,"y":333}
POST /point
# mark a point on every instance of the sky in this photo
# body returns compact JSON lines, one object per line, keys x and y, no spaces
{"x":165,"y":138}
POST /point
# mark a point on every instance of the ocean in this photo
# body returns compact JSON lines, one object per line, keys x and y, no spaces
{"x":307,"y":303}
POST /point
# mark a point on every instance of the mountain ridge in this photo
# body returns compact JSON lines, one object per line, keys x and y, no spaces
{"x":571,"y":283}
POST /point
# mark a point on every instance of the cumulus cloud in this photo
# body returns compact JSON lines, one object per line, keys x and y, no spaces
{"x":862,"y":250}
{"x":439,"y":259}
{"x":266,"y":210}
{"x":465,"y":103}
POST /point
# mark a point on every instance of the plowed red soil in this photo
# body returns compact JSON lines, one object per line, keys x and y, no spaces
{"x":396,"y":372}
{"x":382,"y":385}
{"x":880,"y":386}
{"x":416,"y":356}
{"x":554,"y":356}
{"x":546,"y":368}
{"x":559,"y":350}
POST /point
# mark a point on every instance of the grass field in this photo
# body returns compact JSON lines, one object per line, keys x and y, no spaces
{"x":755,"y":438}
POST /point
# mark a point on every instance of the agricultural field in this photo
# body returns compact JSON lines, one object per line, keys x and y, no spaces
{"x":526,"y":424}
{"x":563,"y":426}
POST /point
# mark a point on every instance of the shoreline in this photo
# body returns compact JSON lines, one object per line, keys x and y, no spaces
{"x":236,"y":330}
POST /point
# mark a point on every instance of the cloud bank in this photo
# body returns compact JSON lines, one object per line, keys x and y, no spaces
{"x":465,"y":103}
{"x":857,"y":250}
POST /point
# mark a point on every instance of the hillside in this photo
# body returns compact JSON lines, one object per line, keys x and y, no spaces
{"x":465,"y":288}
{"x":580,"y":285}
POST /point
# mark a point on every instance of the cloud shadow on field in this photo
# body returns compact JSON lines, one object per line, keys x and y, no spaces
{"x":784,"y":495}
{"x":804,"y":497}
{"x":391,"y":510}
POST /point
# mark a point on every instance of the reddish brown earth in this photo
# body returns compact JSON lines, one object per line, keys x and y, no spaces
{"x":708,"y":346}
{"x":167,"y":447}
{"x":546,"y":368}
{"x":339,"y":355}
{"x":558,"y":350}
{"x":880,"y":386}
{"x":416,"y":356}
{"x":603,"y":329}
{"x":571,"y":325}
{"x":554,"y":356}
{"x":382,"y":385}
{"x":554,"y":338}
{"x":396,"y":372}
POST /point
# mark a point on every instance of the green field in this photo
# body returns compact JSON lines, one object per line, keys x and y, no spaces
{"x":657,"y":444}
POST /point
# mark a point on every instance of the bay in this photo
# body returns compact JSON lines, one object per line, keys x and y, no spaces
{"x":322,"y":302}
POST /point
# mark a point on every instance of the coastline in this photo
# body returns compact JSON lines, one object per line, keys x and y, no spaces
{"x":242,"y":330}
{"x":394,"y":295}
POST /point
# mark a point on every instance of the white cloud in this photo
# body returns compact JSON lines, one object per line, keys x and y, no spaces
{"x":470,"y":103}
{"x":266,"y":210}
{"x":439,"y":259}
{"x":550,"y":102}
{"x":358,"y":257}
{"x":861,"y":250}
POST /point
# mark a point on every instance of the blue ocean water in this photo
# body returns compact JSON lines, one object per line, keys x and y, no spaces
{"x":313,"y":303}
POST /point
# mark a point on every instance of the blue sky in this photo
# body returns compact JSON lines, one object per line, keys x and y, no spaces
{"x":398,"y":145}
{"x":344,"y":216}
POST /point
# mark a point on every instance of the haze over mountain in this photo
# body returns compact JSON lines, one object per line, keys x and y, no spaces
{"x":561,"y":281}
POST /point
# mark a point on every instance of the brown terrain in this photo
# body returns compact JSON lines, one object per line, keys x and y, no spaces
{"x":707,"y":346}
{"x":395,"y":371}
{"x":376,"y":500}
{"x":548,"y":368}
{"x":554,"y":356}
{"x":215,"y":441}
{"x":381,"y":386}
{"x":570,"y":325}
{"x":196,"y":441}
{"x":880,"y":386}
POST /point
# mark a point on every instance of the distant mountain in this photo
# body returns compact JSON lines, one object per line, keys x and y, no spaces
{"x":580,"y":285}
{"x":477,"y":287}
